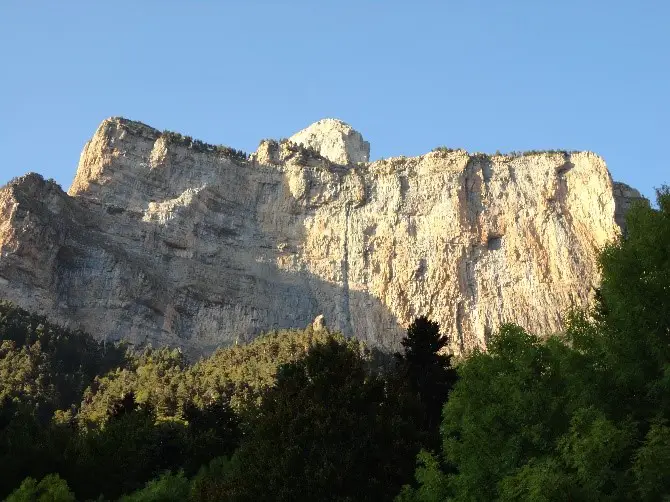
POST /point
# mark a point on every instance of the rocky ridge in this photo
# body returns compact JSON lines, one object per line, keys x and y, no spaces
{"x":166,"y":240}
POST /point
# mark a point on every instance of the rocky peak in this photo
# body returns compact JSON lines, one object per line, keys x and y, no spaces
{"x":335,"y":140}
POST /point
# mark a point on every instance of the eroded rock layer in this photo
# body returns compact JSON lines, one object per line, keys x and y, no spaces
{"x":164,"y":240}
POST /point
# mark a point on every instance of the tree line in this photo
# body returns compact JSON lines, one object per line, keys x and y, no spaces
{"x":311,"y":415}
{"x":296,"y":413}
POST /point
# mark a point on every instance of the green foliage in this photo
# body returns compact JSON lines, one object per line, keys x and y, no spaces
{"x":163,"y":380}
{"x":651,"y":466}
{"x":597,"y":452}
{"x":43,"y":367}
{"x":327,"y":430}
{"x":219,"y":480}
{"x":528,"y":153}
{"x":119,"y":458}
{"x":45,"y":364}
{"x":301,"y":153}
{"x":581,"y":417}
{"x":50,"y":489}
{"x":167,"y":488}
{"x":636,"y":311}
{"x":514,"y":153}
{"x":151,"y":412}
{"x":28,"y":447}
{"x":505,"y":409}
{"x":202,"y":147}
{"x":154,"y":412}
{"x":446,"y":149}
{"x":542,"y":479}
{"x":247,"y":371}
{"x":154,"y":377}
{"x":428,"y":372}
{"x":431,"y":480}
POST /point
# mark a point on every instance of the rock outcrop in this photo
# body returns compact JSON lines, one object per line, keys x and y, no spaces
{"x":334,"y":140}
{"x":166,"y":240}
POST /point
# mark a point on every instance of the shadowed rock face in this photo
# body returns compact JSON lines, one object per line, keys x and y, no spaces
{"x":169,"y":242}
{"x":624,"y":198}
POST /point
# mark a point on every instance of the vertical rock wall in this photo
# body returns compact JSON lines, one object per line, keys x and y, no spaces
{"x":164,"y":240}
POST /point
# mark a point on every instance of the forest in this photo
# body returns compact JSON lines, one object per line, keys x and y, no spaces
{"x":295,"y":415}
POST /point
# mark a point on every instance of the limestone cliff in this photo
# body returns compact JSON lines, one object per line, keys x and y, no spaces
{"x":167,"y":240}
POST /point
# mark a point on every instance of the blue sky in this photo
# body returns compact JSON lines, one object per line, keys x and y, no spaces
{"x":481,"y":75}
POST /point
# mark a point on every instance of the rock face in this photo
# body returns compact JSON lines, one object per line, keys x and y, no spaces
{"x":335,"y":141}
{"x":166,"y":240}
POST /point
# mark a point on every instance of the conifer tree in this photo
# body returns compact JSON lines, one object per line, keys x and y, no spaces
{"x":428,"y":371}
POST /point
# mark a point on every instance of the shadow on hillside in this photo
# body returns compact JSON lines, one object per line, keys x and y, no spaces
{"x":118,"y":274}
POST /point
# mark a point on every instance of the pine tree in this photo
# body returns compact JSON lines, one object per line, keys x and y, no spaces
{"x":428,"y":371}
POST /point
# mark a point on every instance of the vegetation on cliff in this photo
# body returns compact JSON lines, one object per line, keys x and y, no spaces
{"x":310,"y":415}
{"x":513,"y":153}
{"x":202,"y":147}
{"x":301,"y":411}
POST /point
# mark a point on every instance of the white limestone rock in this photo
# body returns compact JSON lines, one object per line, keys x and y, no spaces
{"x":319,"y":323}
{"x":164,"y":241}
{"x":335,"y":140}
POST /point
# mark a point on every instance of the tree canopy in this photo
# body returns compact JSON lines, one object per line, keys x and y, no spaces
{"x":582,"y":415}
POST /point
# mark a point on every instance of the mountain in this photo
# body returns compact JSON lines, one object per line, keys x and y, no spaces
{"x":163,"y":239}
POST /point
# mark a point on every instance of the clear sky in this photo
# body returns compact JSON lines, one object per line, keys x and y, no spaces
{"x":409,"y":75}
